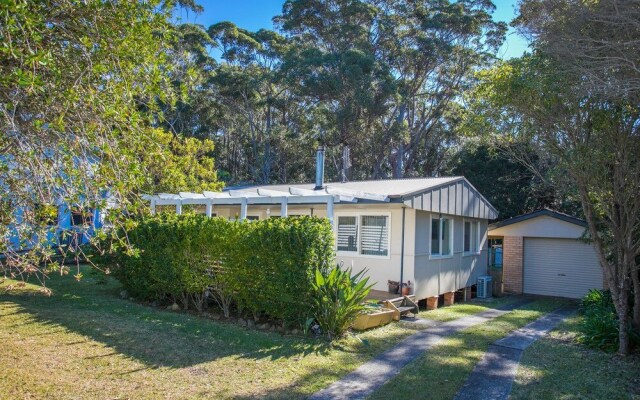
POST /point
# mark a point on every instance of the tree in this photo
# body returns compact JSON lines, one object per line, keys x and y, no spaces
{"x":509,"y":184}
{"x":596,"y":42}
{"x":596,"y":45}
{"x":81,"y":84}
{"x":386,"y":75}
{"x":595,"y":143}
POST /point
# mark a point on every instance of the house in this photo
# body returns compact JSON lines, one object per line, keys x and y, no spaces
{"x":429,"y":231}
{"x":543,"y":254}
{"x":63,"y":225}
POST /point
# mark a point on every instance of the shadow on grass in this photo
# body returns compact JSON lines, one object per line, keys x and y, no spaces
{"x":155,"y":337}
{"x":439,"y":372}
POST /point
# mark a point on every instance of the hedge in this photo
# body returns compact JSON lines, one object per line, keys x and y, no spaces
{"x":267,"y":266}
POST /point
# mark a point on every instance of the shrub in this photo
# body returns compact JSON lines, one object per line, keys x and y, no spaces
{"x":338,"y":299}
{"x":264,"y":266}
{"x":176,"y":257}
{"x":274,"y":263}
{"x":599,"y":326}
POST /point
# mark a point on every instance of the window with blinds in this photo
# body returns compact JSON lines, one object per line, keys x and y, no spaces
{"x":374,"y":235}
{"x":347,"y":234}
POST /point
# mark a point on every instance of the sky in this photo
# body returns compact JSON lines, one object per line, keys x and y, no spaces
{"x":256,"y":14}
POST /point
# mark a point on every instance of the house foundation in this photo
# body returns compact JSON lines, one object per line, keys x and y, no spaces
{"x":449,"y":298}
{"x":432,"y":303}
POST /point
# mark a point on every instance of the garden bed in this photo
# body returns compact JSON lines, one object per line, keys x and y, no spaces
{"x":373,"y":320}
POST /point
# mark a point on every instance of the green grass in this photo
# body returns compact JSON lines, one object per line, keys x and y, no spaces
{"x":459,"y":310}
{"x":85,"y":342}
{"x":441,"y":371}
{"x":556,"y":367}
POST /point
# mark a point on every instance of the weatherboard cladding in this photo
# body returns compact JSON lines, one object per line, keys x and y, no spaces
{"x":455,"y":198}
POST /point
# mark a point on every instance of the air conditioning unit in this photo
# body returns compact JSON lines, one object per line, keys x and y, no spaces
{"x":485,"y":288}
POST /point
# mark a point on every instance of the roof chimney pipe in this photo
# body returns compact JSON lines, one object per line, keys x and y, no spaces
{"x":319,"y":168}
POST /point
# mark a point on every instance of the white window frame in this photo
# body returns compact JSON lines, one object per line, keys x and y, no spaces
{"x":451,"y":236}
{"x":479,"y":240}
{"x":359,"y":215}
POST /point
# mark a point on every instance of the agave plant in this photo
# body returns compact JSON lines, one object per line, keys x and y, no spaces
{"x":338,"y":299}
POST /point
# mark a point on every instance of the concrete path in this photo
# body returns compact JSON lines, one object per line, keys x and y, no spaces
{"x":493,"y":376}
{"x":370,"y":376}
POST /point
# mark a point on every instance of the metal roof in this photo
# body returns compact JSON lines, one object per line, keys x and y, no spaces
{"x":449,"y":195}
{"x":539,"y":213}
{"x":386,"y":187}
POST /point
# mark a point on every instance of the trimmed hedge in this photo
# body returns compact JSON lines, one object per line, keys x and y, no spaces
{"x":267,"y":267}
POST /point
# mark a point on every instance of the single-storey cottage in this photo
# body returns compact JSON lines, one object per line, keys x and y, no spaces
{"x":431,"y":232}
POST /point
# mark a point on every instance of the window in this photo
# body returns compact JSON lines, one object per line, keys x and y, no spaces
{"x":441,"y":230}
{"x":347,"y":234}
{"x":81,"y":217}
{"x":375,"y":236}
{"x":253,"y":217}
{"x":367,"y":235}
{"x":471,"y":236}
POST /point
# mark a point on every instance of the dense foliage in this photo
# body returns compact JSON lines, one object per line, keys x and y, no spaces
{"x":379,"y":77}
{"x":266,"y":267}
{"x":599,"y":325}
{"x":81,"y":89}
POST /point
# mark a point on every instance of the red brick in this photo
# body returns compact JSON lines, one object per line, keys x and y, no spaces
{"x":512,"y":264}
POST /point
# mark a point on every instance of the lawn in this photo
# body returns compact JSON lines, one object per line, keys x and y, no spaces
{"x":556,"y":368}
{"x":85,"y":342}
{"x":441,"y":371}
{"x":459,"y":310}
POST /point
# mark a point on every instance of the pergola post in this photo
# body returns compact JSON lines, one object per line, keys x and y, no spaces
{"x":243,"y":209}
{"x":330,"y":209}
{"x":209,"y":208}
{"x":179,"y":207}
{"x":283,"y":207}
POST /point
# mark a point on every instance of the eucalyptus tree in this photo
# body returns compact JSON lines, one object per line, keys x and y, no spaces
{"x":263,"y":125}
{"x":81,"y":85}
{"x":387,"y":75}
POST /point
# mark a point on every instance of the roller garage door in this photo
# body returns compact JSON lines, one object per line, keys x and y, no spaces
{"x":560,"y":267}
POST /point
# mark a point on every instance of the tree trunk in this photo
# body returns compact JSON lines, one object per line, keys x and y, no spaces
{"x":622,"y":309}
{"x":615,"y":274}
{"x":635,"y":278}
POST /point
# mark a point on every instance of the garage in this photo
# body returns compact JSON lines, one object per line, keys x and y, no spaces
{"x":543,"y":254}
{"x":560,"y":267}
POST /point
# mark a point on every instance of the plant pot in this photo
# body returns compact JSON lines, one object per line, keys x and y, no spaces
{"x":373,"y":320}
{"x":394,"y":289}
{"x":406,"y":291}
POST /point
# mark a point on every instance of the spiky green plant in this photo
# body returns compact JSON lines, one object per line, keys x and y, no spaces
{"x":338,"y":299}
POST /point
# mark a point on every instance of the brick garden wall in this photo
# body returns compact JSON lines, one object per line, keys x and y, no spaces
{"x":512,"y":260}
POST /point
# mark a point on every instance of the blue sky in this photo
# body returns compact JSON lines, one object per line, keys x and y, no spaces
{"x":256,"y":14}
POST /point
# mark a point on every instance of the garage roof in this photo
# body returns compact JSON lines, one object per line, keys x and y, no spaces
{"x":544,"y":212}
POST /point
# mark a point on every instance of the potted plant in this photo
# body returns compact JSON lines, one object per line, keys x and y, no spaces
{"x":373,"y":316}
{"x":394,"y":286}
{"x":406,"y":288}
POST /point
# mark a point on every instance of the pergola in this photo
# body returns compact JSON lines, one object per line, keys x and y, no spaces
{"x":244,"y":197}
